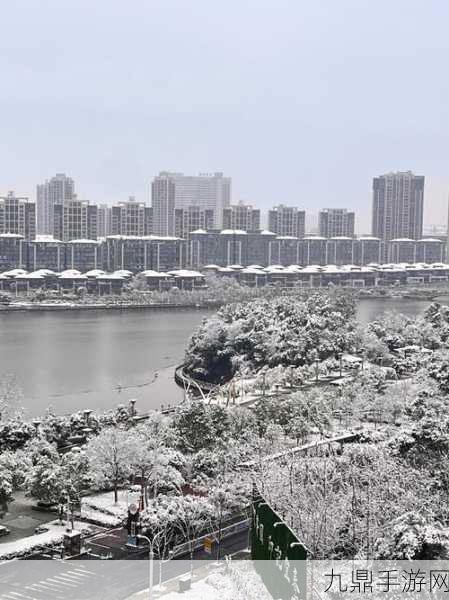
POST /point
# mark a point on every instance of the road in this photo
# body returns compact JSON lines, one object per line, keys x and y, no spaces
{"x":95,"y":579}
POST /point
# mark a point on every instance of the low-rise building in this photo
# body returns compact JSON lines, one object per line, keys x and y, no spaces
{"x":83,"y":255}
{"x":13,"y":251}
{"x":45,"y":252}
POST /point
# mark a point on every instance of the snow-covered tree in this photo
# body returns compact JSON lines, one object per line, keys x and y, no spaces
{"x":413,"y":537}
{"x":11,"y":398}
{"x":199,"y":425}
{"x":111,"y":455}
{"x":76,"y":473}
{"x":15,"y":433}
{"x":14,"y":467}
{"x":156,"y":470}
{"x":228,"y":495}
{"x":46,"y":481}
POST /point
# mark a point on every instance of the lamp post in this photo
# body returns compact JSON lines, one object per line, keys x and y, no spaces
{"x":151,"y":557}
{"x":87,"y":412}
{"x":132,"y":407}
{"x":340,"y":358}
{"x":362,"y":353}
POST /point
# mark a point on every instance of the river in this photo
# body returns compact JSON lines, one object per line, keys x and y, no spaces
{"x":99,"y":359}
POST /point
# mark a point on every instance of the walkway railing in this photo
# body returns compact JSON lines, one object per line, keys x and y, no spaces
{"x":344,"y":438}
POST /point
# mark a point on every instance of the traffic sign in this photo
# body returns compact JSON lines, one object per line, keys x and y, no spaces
{"x":207,"y":545}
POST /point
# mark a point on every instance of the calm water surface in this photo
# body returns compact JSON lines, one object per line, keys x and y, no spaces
{"x":95,"y":359}
{"x":98,"y":359}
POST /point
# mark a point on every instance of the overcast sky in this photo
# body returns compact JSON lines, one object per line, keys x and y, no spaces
{"x":301,"y":102}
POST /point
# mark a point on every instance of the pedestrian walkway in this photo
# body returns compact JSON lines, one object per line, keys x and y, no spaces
{"x":63,"y":583}
{"x":173,"y":585}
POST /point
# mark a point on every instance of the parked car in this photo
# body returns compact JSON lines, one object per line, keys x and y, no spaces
{"x":4,"y":531}
{"x":41,"y":529}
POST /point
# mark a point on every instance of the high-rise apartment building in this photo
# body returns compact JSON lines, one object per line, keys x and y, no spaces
{"x":18,"y":216}
{"x":131,"y":218}
{"x":398,"y":201}
{"x":170,"y":191}
{"x":287,"y":221}
{"x":75,"y":220}
{"x":104,"y":220}
{"x":191,"y":219}
{"x":336,"y":222}
{"x":242,"y":217}
{"x":56,"y":190}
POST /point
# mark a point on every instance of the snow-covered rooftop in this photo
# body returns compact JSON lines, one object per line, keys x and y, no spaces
{"x":11,"y":235}
{"x":142,"y":238}
{"x":15,"y":272}
{"x":71,"y":274}
{"x":44,"y":238}
{"x":232,"y":232}
{"x":46,"y":272}
{"x":110,"y":276}
{"x":81,"y":241}
{"x":253,"y":271}
{"x":185,"y":273}
{"x":34,"y":275}
{"x":150,"y":273}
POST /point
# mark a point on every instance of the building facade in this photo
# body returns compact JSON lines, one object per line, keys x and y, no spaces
{"x":191,"y":219}
{"x":104,"y":220}
{"x":145,"y":253}
{"x":18,"y":216}
{"x":398,"y":203}
{"x":75,"y":220}
{"x":56,"y":190}
{"x":44,"y":252}
{"x":287,"y":220}
{"x":13,"y":251}
{"x":336,"y":222}
{"x":84,"y":255}
{"x":131,"y":218}
{"x":241,"y":216}
{"x":170,"y":191}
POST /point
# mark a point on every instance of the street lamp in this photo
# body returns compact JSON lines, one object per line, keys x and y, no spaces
{"x":87,"y":412}
{"x":151,"y":557}
{"x":132,"y":407}
{"x":361,"y":352}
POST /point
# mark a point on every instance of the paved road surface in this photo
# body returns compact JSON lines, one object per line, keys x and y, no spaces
{"x":93,"y":579}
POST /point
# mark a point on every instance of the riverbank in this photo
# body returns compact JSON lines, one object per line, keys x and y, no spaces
{"x":429,"y":294}
{"x":71,"y":306}
{"x":117,"y":303}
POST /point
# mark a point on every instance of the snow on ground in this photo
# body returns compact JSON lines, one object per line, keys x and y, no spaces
{"x":53,"y":536}
{"x":241,"y":582}
{"x":100,"y":508}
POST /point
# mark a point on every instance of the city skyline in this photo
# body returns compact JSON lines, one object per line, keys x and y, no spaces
{"x":435,"y":205}
{"x":288,"y":107}
{"x":363,"y":215}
